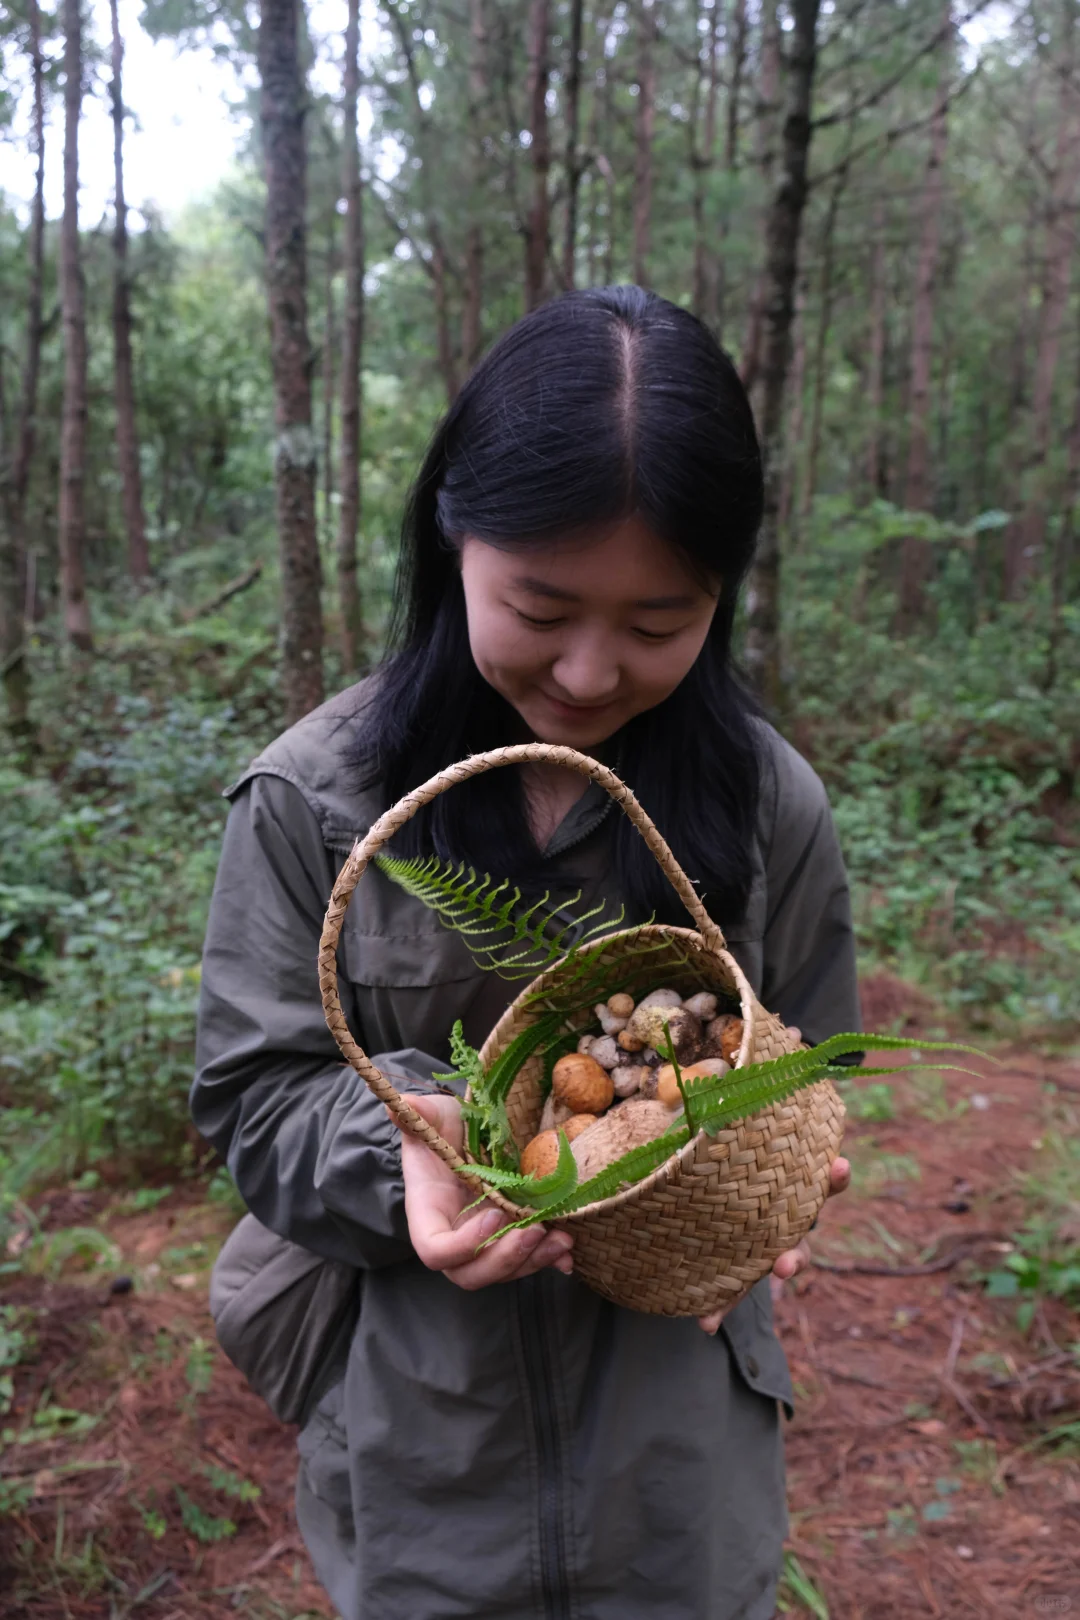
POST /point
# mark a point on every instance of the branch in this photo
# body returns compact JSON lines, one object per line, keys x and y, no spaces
{"x":883,"y":89}
{"x":233,"y":588}
{"x":889,"y":137}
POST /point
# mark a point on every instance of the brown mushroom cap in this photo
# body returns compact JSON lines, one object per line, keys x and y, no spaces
{"x":578,"y":1081}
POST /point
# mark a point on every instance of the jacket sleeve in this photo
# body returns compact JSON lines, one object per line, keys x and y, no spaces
{"x":808,"y":970}
{"x":312,"y":1151}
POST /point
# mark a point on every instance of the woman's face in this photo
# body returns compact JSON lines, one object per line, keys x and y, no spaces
{"x":580,"y":636}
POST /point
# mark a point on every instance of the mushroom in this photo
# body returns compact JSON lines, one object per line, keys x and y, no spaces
{"x":667,"y":1086}
{"x":723,"y":1037}
{"x":610,"y":1023}
{"x":628,"y":1125}
{"x":620,"y":1005}
{"x":652,"y":1025}
{"x":605,"y":1051}
{"x":702,"y":1005}
{"x":578,"y":1081}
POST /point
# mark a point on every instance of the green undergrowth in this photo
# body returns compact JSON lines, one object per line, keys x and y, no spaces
{"x":952,"y":762}
{"x":950,"y":758}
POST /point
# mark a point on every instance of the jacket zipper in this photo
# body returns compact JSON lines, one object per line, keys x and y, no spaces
{"x":538,"y":1370}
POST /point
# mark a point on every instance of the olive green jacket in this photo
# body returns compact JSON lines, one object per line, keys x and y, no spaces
{"x":528,"y":1451}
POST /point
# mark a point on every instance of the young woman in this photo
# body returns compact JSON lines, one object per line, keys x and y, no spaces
{"x":504,"y":1443}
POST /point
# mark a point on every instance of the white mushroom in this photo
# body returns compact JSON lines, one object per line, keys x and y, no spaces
{"x":585,"y":1043}
{"x":660,"y":998}
{"x":605,"y":1050}
{"x":703,"y":1005}
{"x":609,"y":1023}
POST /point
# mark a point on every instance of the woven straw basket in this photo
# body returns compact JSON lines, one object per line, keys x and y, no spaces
{"x":701,"y":1230}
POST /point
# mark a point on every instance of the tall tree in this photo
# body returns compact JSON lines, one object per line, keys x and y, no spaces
{"x":127,"y":441}
{"x":538,"y":224}
{"x":821,"y":342}
{"x":736,"y":63}
{"x":1026,"y":539}
{"x":644,"y":132}
{"x":573,"y":160}
{"x":703,"y":299}
{"x":16,"y":460}
{"x":875,"y":370}
{"x":71,"y":526}
{"x":783,"y":233}
{"x":768,"y":90}
{"x":479,"y":98}
{"x":349,"y":599}
{"x":914,"y":557}
{"x":282,"y":106}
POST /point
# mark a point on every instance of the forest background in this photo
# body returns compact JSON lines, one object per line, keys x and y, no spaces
{"x":209,"y":418}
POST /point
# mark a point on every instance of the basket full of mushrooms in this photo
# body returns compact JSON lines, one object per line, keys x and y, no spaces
{"x":667,"y":1217}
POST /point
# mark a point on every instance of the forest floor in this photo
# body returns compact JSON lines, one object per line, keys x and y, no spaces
{"x":140,"y":1476}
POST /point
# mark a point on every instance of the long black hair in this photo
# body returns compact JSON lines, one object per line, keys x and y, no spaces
{"x":596,"y":406}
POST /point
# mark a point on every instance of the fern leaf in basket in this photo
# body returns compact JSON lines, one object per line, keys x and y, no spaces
{"x":535,"y":1192}
{"x":502,"y":932}
{"x":714,"y":1102}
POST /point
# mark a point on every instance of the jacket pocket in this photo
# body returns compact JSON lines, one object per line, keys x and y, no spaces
{"x":755,"y":1349}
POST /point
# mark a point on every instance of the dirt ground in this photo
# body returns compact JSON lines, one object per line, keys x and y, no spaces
{"x":139,"y":1476}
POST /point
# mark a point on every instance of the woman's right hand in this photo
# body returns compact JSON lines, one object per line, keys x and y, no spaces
{"x":445,"y":1239}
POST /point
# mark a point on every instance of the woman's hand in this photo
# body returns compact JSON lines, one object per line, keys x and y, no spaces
{"x":794,"y":1260}
{"x":444,"y":1240}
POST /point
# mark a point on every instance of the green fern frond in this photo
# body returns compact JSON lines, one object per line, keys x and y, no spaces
{"x":503,"y":933}
{"x":537,"y":1193}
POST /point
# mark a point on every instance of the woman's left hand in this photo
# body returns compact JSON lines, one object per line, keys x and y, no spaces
{"x":793,"y":1260}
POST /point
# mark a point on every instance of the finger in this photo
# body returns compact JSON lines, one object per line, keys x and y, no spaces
{"x":792,"y":1262}
{"x":516,"y":1255}
{"x":711,"y":1324}
{"x":839,"y":1176}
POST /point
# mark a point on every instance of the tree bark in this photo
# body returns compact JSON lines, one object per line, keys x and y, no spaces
{"x":875,"y":375}
{"x":15,"y":473}
{"x":737,"y":56}
{"x":573,"y":162}
{"x":764,"y":144}
{"x":1027,"y":538}
{"x":479,"y":98}
{"x":71,"y":524}
{"x":781,"y":274}
{"x":644,"y":130}
{"x":349,"y":597}
{"x":127,"y":440}
{"x":821,"y":345}
{"x":914,"y":555}
{"x":329,"y":372}
{"x":282,"y":106}
{"x":538,"y":224}
{"x":703,"y":156}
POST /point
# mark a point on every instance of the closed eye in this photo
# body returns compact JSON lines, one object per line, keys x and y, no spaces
{"x":541,"y":624}
{"x":655,"y":635}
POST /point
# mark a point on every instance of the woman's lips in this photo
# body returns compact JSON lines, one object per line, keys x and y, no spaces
{"x":575,"y":711}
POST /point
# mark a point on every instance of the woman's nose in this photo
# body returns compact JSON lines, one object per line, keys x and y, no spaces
{"x":587,"y":669}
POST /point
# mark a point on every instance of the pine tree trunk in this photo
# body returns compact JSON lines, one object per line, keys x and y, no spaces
{"x":793,"y":431}
{"x":71,"y":524}
{"x":644,"y":130}
{"x":127,"y":442}
{"x":703,"y":299}
{"x":1027,"y":538}
{"x":737,"y":56}
{"x":479,"y":96}
{"x":573,"y":164}
{"x":329,"y":374}
{"x":914,"y":555}
{"x":781,"y":274}
{"x":15,"y":676}
{"x":764,"y":144}
{"x":821,"y":346}
{"x":875,"y":374}
{"x":349,"y":597}
{"x":538,"y":225}
{"x":282,"y":106}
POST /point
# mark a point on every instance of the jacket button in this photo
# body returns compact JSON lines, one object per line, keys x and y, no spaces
{"x":752,"y":1366}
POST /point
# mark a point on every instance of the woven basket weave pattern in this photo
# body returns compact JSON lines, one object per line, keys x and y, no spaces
{"x":705,"y":1226}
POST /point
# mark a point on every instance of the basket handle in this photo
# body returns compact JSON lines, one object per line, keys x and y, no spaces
{"x":383,"y":830}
